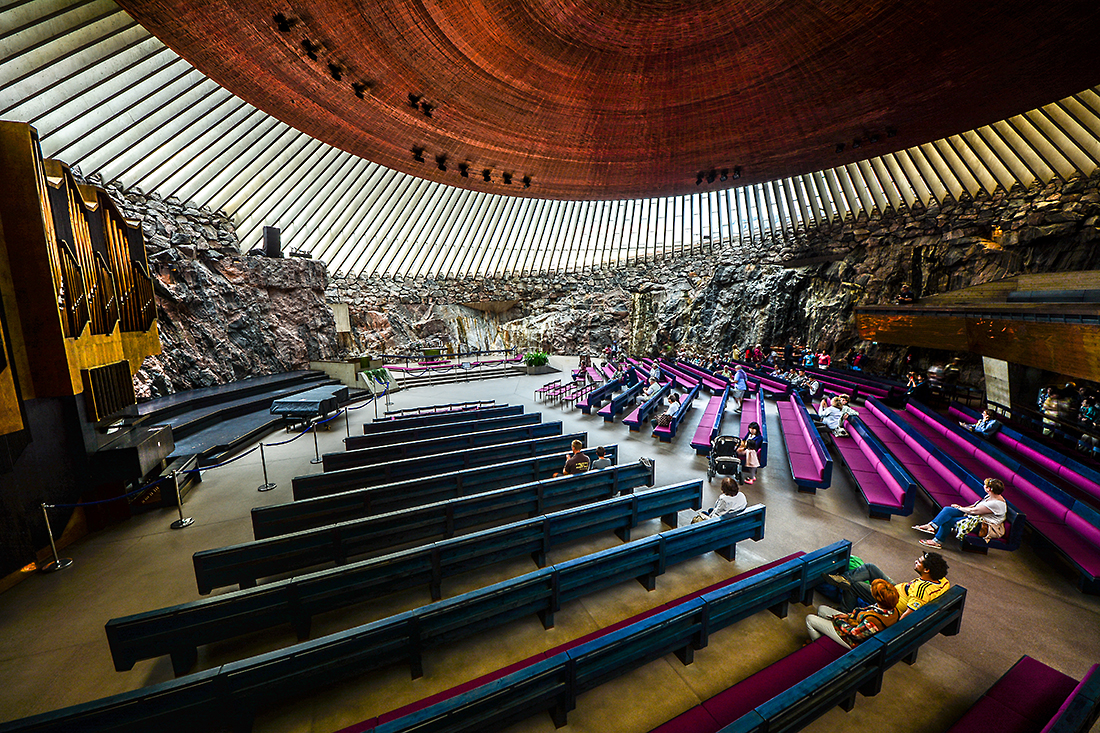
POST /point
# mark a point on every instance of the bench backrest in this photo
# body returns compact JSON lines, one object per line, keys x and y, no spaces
{"x":373,"y":440}
{"x":383,"y":425}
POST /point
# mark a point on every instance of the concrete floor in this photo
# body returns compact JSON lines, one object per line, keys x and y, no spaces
{"x":53,"y":651}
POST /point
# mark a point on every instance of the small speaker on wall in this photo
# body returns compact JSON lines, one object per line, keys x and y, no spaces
{"x":272,"y":242}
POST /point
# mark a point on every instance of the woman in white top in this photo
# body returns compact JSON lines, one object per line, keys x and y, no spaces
{"x":730,"y":501}
{"x":990,"y":509}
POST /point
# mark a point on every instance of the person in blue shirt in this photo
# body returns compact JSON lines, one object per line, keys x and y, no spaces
{"x":740,"y":386}
{"x":986,"y":427}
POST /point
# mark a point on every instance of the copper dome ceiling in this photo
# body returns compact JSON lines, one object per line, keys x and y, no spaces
{"x":629,"y":98}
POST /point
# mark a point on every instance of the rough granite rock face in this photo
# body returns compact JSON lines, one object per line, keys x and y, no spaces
{"x":223,"y":316}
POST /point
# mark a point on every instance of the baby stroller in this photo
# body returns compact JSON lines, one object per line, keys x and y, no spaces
{"x":723,"y":457}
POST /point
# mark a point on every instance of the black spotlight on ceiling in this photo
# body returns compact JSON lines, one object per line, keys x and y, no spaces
{"x":874,"y":138}
{"x":507,"y":178}
{"x":283,"y":23}
{"x":487,"y":175}
{"x":891,"y":131}
{"x":311,"y":48}
{"x":725,"y":174}
{"x":856,"y":143}
{"x":736,"y":172}
{"x":698,"y":178}
{"x":414,"y":100}
{"x":527,"y":181}
{"x":418,"y":154}
{"x":840,"y":147}
{"x":441,"y":162}
{"x":712,"y":175}
{"x":335,"y":71}
{"x":464,"y":170}
{"x":361,"y":89}
{"x":427,"y":108}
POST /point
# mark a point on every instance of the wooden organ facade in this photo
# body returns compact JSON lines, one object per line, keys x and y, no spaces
{"x":79,"y":318}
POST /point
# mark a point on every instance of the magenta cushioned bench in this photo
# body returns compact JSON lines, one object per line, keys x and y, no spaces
{"x":811,"y":464}
{"x":665,"y":433}
{"x":1034,"y":698}
{"x":743,"y":697}
{"x":711,"y":423}
{"x":523,"y":663}
{"x":752,"y":411}
{"x":715,"y":384}
{"x":885,"y":485}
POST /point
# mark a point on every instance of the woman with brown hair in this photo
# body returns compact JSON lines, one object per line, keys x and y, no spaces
{"x":849,"y":629}
{"x":990,"y":511}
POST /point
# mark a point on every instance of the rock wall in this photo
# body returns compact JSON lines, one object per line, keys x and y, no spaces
{"x":223,"y":315}
{"x":803,"y":286}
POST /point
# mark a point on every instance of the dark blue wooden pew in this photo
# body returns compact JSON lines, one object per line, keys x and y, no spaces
{"x":373,"y":440}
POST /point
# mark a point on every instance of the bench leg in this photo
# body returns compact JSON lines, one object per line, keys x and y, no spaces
{"x":539,"y":558}
{"x":671,"y":520}
{"x":623,"y":533}
{"x":873,"y":687}
{"x":302,"y":626}
{"x":183,"y":660}
{"x":729,"y":553}
{"x":557,"y":714}
{"x":648,"y":581}
{"x":547,"y":618}
{"x":911,"y":658}
{"x":780,"y":609}
{"x":685,"y":654}
{"x":848,"y":703}
{"x":416,"y":666}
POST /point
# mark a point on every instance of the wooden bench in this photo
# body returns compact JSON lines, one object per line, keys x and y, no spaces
{"x":431,"y":446}
{"x":680,"y":627}
{"x":619,"y":402}
{"x":811,"y":464}
{"x":641,"y":413}
{"x":665,"y":433}
{"x":243,"y":564}
{"x":886,"y":486}
{"x":939,"y":476}
{"x":277,"y":519}
{"x":715,"y":384}
{"x":1069,"y":525}
{"x":596,"y":397}
{"x":373,"y":440}
{"x":178,"y":630}
{"x":802,"y":687}
{"x":710,"y":426}
{"x":450,"y":407}
{"x":323,"y":484}
{"x":383,"y":425}
{"x":1034,"y":697}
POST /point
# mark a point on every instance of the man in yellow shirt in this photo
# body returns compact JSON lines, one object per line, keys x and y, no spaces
{"x":931,"y":582}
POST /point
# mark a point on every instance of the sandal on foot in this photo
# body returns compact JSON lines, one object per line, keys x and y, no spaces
{"x":838,"y":580}
{"x":926,"y":528}
{"x":932,"y":543}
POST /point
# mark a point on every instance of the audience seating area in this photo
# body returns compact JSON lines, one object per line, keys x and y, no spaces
{"x":443,"y":430}
{"x":231,"y":694}
{"x":1070,"y":526}
{"x":810,"y":461}
{"x":1034,"y":697}
{"x":619,"y":402}
{"x":641,"y":413}
{"x":417,"y":420}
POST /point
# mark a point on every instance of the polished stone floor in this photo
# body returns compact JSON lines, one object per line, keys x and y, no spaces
{"x":53,"y":651}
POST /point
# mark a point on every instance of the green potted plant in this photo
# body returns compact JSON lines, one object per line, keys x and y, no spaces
{"x":537,"y":362}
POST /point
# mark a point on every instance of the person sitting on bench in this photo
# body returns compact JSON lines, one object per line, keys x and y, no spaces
{"x":986,"y":427}
{"x":602,"y":461}
{"x":731,"y":501}
{"x":850,"y":629}
{"x":575,"y":462}
{"x":931,"y":582}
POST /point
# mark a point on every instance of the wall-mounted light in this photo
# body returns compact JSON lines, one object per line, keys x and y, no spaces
{"x":891,"y":131}
{"x":441,"y":162}
{"x":414,"y":100}
{"x":487,"y":174}
{"x":699,"y":177}
{"x":724,"y":175}
{"x":361,"y":89}
{"x":507,"y":177}
{"x":874,"y":137}
{"x":418,"y":154}
{"x":856,"y":143}
{"x":427,"y":108}
{"x":527,"y":181}
{"x":711,"y":176}
{"x":464,"y":170}
{"x":335,"y":71}
{"x":840,"y":147}
{"x":736,"y":172}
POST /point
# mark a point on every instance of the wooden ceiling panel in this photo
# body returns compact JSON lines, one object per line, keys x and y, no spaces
{"x":632,"y":98}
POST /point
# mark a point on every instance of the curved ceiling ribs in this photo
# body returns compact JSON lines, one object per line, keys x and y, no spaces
{"x":576,"y":95}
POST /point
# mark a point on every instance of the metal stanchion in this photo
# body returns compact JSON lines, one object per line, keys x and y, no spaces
{"x":316,"y":450}
{"x":58,"y":563}
{"x":266,"y":485}
{"x":347,"y":421}
{"x":182,"y":521}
